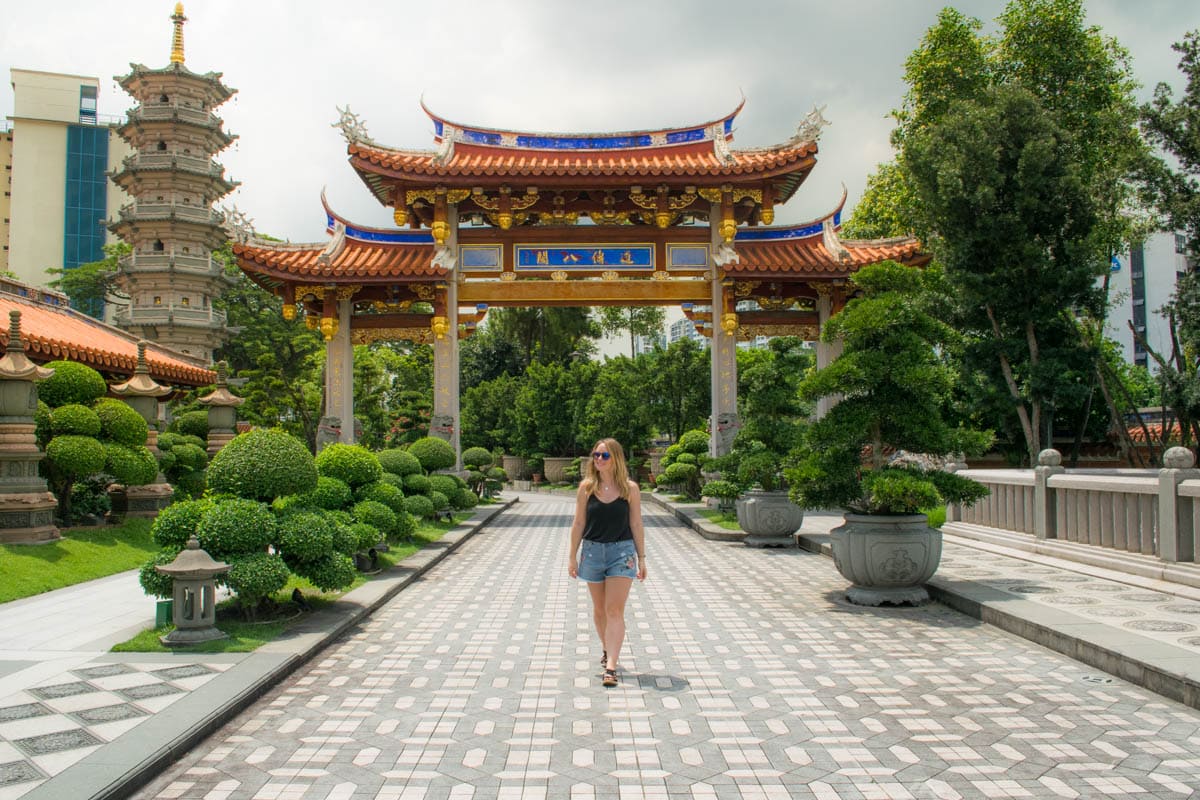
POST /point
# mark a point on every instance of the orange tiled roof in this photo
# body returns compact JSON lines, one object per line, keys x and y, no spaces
{"x":1138,"y":434}
{"x":59,"y":333}
{"x":356,"y":259}
{"x":812,"y":255}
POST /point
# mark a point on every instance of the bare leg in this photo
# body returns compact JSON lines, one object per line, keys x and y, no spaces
{"x":598,"y":594}
{"x":616,"y":592}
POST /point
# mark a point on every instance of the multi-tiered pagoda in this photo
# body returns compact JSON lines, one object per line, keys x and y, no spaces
{"x":170,"y":276}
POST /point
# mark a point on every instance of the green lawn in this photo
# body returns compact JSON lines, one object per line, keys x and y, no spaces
{"x":83,"y":554}
{"x":727,"y":521}
{"x":243,"y":636}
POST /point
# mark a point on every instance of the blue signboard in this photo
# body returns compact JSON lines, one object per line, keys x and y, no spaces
{"x":585,"y":257}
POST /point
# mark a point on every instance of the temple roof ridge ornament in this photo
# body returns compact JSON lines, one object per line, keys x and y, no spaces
{"x":353,"y":129}
{"x":238,"y":226}
{"x":811,"y":126}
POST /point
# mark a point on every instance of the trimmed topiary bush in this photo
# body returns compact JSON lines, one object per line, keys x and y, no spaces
{"x":440,"y":501}
{"x":464,"y":499}
{"x":694,"y":442}
{"x":131,"y":466}
{"x":330,"y":494}
{"x":385,"y":493}
{"x":153,"y":582}
{"x":365,"y":536}
{"x":329,"y":572}
{"x":687,"y":458}
{"x":398,"y":462}
{"x":178,"y":522}
{"x":433,"y":453}
{"x":477,"y":457}
{"x":444,"y":484}
{"x":304,"y":537}
{"x":71,"y":383}
{"x":41,"y":424}
{"x":76,"y":455}
{"x":236,"y":526}
{"x":375,"y":514}
{"x":353,"y":464}
{"x":393,"y":479}
{"x":406,"y":526}
{"x":417,"y":484}
{"x":253,"y":576}
{"x":193,"y":423}
{"x":419,"y":506}
{"x":345,"y":539}
{"x":263,"y":465}
{"x":74,"y":420}
{"x":120,"y":423}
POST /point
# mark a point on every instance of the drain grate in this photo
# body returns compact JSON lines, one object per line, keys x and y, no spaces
{"x":1096,"y":679}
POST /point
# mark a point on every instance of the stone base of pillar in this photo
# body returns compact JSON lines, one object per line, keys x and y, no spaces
{"x":216,"y":441}
{"x":28,"y":518}
{"x":138,"y":501}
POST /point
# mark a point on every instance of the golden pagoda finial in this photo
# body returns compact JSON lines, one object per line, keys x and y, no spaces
{"x":177,"y":39}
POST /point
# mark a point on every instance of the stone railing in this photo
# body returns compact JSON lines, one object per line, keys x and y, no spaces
{"x":200,"y":165}
{"x":160,"y":262}
{"x":1152,"y":512}
{"x":170,"y":112}
{"x":171,"y":315}
{"x":173,"y":211}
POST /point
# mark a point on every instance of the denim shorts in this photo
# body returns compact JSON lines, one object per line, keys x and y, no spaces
{"x":600,"y":560}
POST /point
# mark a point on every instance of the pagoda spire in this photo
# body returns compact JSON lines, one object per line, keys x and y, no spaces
{"x":177,"y":37}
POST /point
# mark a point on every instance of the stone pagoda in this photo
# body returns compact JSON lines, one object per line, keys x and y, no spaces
{"x":171,"y":277}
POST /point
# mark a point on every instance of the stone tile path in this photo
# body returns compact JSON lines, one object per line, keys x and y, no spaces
{"x":746,"y":676}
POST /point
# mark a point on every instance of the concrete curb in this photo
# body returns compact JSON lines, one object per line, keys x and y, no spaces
{"x":689,"y":514}
{"x":120,"y":767}
{"x":1156,"y":666}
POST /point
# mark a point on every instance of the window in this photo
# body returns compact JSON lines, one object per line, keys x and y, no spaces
{"x":162,"y":146}
{"x":185,"y":302}
{"x":158,"y":246}
{"x":87,"y":104}
{"x":1180,"y":243}
{"x":158,"y":300}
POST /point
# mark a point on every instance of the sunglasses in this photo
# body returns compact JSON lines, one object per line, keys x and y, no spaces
{"x":602,"y":456}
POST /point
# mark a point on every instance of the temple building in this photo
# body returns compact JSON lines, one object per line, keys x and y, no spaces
{"x":170,"y":276}
{"x":490,"y":217}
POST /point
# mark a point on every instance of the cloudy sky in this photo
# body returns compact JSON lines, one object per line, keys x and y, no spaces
{"x":547,"y":65}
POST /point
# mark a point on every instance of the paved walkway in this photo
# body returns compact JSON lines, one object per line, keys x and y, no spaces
{"x":747,"y":676}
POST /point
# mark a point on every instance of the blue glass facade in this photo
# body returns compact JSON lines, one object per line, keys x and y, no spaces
{"x":87,"y":195}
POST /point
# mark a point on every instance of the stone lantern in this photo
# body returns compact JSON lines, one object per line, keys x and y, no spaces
{"x":141,"y":393}
{"x":222,"y":412}
{"x":193,"y":573}
{"x":26,"y":505}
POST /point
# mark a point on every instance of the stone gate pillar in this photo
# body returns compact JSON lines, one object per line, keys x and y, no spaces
{"x":339,"y":377}
{"x":724,"y":423}
{"x":26,"y":505}
{"x":446,"y":419}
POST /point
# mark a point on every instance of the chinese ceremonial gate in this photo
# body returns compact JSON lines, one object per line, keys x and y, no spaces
{"x":501,"y":218}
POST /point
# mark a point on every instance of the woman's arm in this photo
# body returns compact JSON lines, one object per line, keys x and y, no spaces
{"x":635,"y":525}
{"x":577,"y":532}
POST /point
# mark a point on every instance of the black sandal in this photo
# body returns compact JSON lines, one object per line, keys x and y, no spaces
{"x":610,"y":677}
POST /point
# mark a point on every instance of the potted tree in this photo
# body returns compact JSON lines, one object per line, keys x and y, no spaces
{"x":893,"y":391}
{"x":765,"y":511}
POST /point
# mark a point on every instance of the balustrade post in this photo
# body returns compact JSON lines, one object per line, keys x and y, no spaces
{"x":1176,"y":537}
{"x":1045,"y":516}
{"x":954,"y":510}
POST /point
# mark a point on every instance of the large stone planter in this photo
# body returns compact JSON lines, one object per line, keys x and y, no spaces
{"x":516,"y":467}
{"x":555,"y":467}
{"x":769,"y":518}
{"x":887,"y":559}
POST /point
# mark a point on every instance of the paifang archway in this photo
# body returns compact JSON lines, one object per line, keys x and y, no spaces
{"x":503,"y":218}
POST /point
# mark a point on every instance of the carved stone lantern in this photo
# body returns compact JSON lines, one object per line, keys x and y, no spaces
{"x":141,"y":393}
{"x":222,"y":412}
{"x":194,"y":614}
{"x":26,"y":505}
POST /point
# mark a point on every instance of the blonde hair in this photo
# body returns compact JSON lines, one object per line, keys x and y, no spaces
{"x":591,"y":482}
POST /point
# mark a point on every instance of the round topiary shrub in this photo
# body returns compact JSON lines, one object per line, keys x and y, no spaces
{"x":417,"y":484}
{"x":71,"y":383}
{"x":419,"y":506}
{"x":120,"y":423}
{"x":384,"y":493}
{"x":351,"y":463}
{"x":375,"y":514}
{"x":440,"y":501}
{"x":345,"y":539}
{"x":74,"y":420}
{"x":340,"y":516}
{"x":189,"y":456}
{"x":191,"y":484}
{"x":76,"y":455}
{"x":178,"y":522}
{"x":131,"y":466}
{"x":262,"y":465}
{"x":253,"y":576}
{"x":193,"y":423}
{"x":497,"y":474}
{"x":153,"y":582}
{"x":398,"y":462}
{"x":236,"y":526}
{"x":694,"y":442}
{"x":406,"y":526}
{"x":329,"y":572}
{"x":365,"y":536}
{"x":433,"y":453}
{"x":304,"y":537}
{"x":393,"y":479}
{"x":686,"y":458}
{"x":330,"y":494}
{"x":464,"y":499}
{"x":41,"y":424}
{"x":477,"y":457}
{"x":444,"y":484}
{"x":680,"y":473}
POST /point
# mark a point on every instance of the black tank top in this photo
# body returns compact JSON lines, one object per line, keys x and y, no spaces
{"x":607,"y":522}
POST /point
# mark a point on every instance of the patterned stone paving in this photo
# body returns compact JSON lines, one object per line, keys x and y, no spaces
{"x":746,"y":676}
{"x":47,"y":728}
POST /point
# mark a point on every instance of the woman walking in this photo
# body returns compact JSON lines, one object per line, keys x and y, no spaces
{"x":608,"y":525}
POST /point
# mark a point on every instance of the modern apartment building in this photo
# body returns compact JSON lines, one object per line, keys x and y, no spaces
{"x":1142,"y":282}
{"x":57,"y":153}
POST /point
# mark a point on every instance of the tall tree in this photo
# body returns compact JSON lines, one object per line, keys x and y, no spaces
{"x":546,"y":334}
{"x":678,"y":388}
{"x":93,"y":284}
{"x":635,"y":320}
